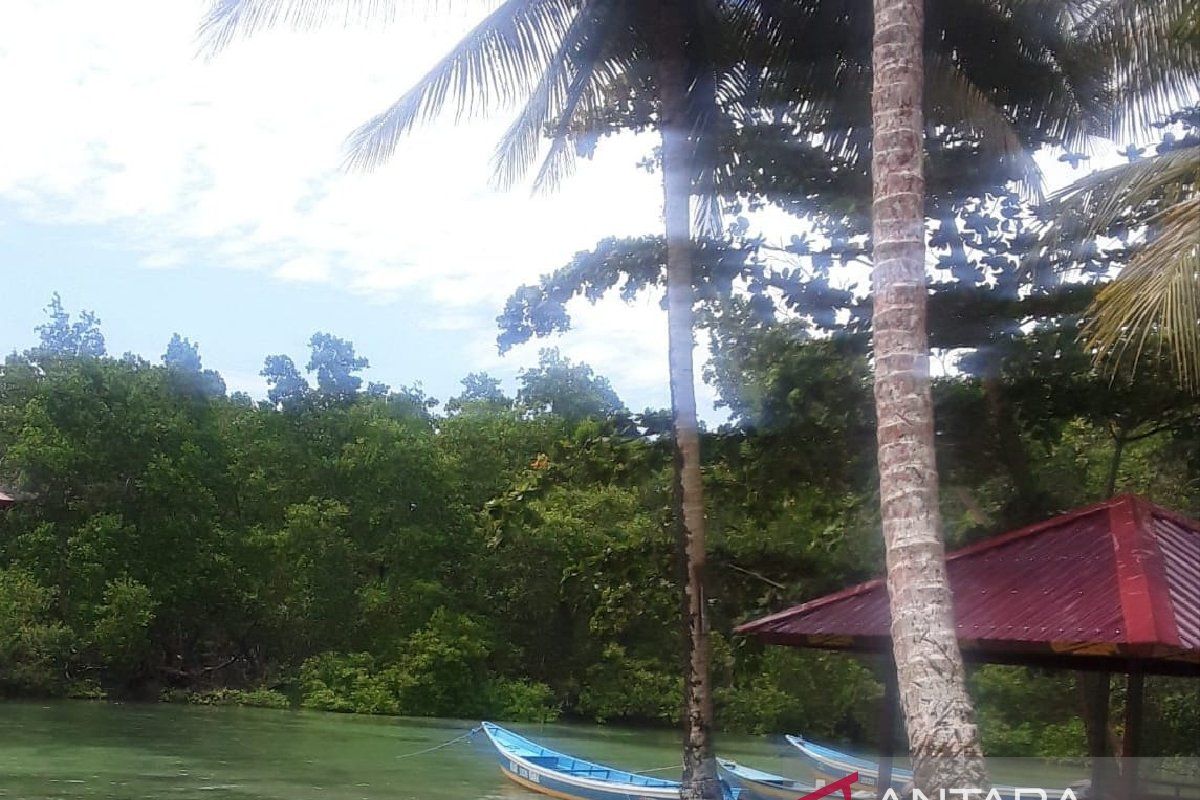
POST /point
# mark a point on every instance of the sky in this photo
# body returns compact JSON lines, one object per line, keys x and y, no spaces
{"x":172,"y":193}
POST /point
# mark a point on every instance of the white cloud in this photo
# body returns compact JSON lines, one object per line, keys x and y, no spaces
{"x":303,"y":269}
{"x":234,"y":162}
{"x":242,"y":153}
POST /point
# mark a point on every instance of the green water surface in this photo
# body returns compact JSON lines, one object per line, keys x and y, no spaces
{"x":96,"y":750}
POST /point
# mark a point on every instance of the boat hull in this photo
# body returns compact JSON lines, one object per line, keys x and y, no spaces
{"x":828,"y":765}
{"x":556,"y":785}
{"x":764,"y":790}
{"x":565,"y":789}
{"x":554,"y":774}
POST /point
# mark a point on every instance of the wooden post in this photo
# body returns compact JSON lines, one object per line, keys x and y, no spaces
{"x":1096,"y":690}
{"x":1131,"y":743}
{"x":887,"y":727}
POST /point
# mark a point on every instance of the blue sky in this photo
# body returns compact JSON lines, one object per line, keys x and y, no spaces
{"x":174,"y":194}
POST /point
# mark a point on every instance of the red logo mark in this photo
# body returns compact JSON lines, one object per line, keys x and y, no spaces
{"x":840,"y":785}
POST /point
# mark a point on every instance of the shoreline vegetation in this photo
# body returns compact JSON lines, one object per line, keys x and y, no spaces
{"x":351,"y":547}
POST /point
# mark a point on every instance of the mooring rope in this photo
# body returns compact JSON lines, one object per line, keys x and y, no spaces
{"x":658,"y":769}
{"x":455,"y":740}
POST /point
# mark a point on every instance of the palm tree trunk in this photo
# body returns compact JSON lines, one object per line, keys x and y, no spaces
{"x":699,"y":766}
{"x":942,"y":735}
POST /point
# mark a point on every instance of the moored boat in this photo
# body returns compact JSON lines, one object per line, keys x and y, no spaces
{"x":828,"y":764}
{"x":759,"y":785}
{"x":540,"y":769}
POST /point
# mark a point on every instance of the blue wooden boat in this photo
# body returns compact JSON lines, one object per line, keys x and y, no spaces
{"x":829,"y":764}
{"x":540,"y":769}
{"x":759,"y":785}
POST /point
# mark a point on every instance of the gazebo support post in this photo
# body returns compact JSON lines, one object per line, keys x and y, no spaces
{"x":1096,"y":691}
{"x":887,"y":726}
{"x":1131,"y":743}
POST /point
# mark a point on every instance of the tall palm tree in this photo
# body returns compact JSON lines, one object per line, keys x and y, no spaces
{"x":939,"y":718}
{"x":566,"y":60}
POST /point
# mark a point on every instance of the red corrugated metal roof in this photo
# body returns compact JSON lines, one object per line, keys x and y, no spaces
{"x":1101,"y":585}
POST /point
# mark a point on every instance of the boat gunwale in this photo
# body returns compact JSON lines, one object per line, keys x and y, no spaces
{"x":828,"y":756}
{"x":664,"y":789}
{"x":775,"y":782}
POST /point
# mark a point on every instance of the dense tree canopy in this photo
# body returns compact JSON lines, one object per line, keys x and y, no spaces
{"x":364,"y":552}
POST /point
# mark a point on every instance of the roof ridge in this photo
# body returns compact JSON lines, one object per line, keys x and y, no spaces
{"x":1142,"y":587}
{"x":1155,"y":509}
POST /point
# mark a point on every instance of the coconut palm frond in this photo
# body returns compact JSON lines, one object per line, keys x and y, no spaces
{"x":500,"y":61}
{"x":519,"y":146}
{"x":953,"y":100}
{"x":582,"y":99}
{"x":1101,"y":200}
{"x":1065,"y":96}
{"x":719,"y":43}
{"x":1155,"y":298}
{"x":571,"y":73}
{"x":1155,"y":63}
{"x":228,"y":20}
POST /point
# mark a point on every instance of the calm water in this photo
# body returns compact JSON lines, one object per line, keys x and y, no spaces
{"x":93,"y":750}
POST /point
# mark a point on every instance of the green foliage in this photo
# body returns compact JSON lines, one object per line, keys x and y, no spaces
{"x":1172,"y":703}
{"x":517,"y":561}
{"x":256,"y":698}
{"x":1023,"y":711}
{"x":337,"y":682}
{"x":440,"y":670}
{"x":121,"y":633}
{"x":828,"y":696}
{"x":85,"y":689}
{"x":572,"y":391}
{"x":34,"y":647}
{"x":622,"y":687}
{"x":443,"y":667}
{"x":521,"y":701}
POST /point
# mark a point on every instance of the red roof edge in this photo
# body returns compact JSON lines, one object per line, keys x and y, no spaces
{"x":1122,"y":500}
{"x":865,"y":586}
{"x":1141,"y":577}
{"x":1167,"y":514}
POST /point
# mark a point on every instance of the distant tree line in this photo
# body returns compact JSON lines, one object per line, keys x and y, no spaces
{"x":355,"y":548}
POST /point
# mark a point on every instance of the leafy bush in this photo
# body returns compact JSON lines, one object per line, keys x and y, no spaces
{"x":823,"y":694}
{"x":85,"y":689}
{"x":349,"y":683}
{"x":521,"y":701}
{"x":1027,"y":712}
{"x":258,"y":698}
{"x":442,"y":669}
{"x":621,"y":686}
{"x":758,"y":707}
{"x":34,"y":648}
{"x":121,"y":632}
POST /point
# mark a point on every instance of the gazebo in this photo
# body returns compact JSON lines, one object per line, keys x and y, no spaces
{"x":1111,"y":587}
